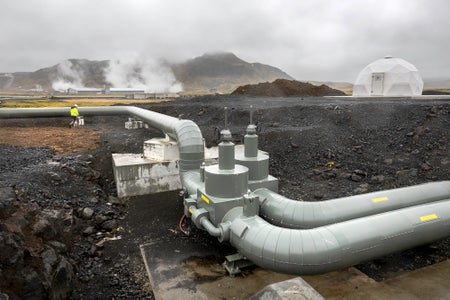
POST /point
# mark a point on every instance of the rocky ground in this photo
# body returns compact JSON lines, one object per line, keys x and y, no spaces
{"x":60,"y":219}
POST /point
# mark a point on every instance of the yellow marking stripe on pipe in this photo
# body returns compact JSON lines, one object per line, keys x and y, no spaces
{"x":191,"y":211}
{"x":428,"y":217}
{"x":205,"y":198}
{"x":380,"y":199}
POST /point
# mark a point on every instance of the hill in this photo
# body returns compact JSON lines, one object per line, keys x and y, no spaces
{"x":285,"y":88}
{"x":223,"y":72}
{"x":77,"y":72}
{"x":217,"y":73}
{"x":436,"y":83}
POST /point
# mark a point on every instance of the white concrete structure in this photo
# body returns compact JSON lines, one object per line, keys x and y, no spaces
{"x":161,"y":149}
{"x":132,"y":123}
{"x":154,"y":171}
{"x":388,"y":76}
{"x":136,"y":175}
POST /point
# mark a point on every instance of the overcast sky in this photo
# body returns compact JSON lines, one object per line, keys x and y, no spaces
{"x":325,"y":40}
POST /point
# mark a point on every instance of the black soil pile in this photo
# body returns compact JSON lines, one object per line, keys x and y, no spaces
{"x":286,"y":88}
{"x":60,"y":219}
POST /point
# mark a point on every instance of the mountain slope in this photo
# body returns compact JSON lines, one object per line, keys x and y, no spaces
{"x":220,"y":72}
{"x":80,"y":72}
{"x":223,"y":72}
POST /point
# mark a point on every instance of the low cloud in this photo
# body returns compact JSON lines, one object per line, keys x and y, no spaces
{"x":310,"y":39}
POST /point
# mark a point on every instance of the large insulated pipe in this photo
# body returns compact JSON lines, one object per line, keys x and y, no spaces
{"x":297,"y":251}
{"x":185,"y":132}
{"x":331,"y":247}
{"x":289,"y":213}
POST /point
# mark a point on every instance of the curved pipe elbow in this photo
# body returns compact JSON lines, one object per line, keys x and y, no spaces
{"x":210,"y":228}
{"x":190,"y":144}
{"x":222,"y":233}
{"x":200,"y":219}
{"x":331,"y":247}
{"x":290,"y":213}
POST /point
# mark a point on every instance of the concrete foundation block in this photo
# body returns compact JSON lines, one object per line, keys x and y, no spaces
{"x":135,"y":175}
{"x":156,"y":170}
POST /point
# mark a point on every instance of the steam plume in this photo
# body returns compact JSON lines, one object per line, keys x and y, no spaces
{"x":68,"y":77}
{"x":151,"y":75}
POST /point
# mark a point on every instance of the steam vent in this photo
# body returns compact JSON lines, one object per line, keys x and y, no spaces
{"x":388,"y":76}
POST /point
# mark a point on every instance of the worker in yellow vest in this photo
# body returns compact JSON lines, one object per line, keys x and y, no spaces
{"x":74,"y":114}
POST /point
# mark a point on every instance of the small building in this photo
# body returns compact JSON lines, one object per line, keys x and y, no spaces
{"x":128,"y":91}
{"x":388,"y":76}
{"x":84,"y":91}
{"x":162,"y":95}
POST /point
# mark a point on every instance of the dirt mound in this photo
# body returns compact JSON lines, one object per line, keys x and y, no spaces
{"x":286,"y":88}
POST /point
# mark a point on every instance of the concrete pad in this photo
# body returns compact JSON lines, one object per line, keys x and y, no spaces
{"x":190,"y":266}
{"x":339,"y":282}
{"x":196,"y":272}
{"x":432,"y":282}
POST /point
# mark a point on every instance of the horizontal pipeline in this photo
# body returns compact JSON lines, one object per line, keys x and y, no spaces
{"x":289,"y":213}
{"x":331,"y":247}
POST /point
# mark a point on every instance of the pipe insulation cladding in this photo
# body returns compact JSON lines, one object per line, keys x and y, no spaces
{"x":331,"y":247}
{"x":288,"y":213}
{"x":314,"y":237}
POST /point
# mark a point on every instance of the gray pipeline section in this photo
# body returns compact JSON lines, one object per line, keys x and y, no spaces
{"x":296,"y":251}
{"x":185,"y":132}
{"x":331,"y":247}
{"x":288,"y":213}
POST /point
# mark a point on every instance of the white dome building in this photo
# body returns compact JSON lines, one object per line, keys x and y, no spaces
{"x":388,"y":77}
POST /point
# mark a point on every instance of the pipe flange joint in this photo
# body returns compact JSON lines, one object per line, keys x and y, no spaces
{"x":197,"y":215}
{"x":225,"y":232}
{"x":188,"y":204}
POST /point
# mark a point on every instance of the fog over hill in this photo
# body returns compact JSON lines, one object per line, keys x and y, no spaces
{"x":212,"y":72}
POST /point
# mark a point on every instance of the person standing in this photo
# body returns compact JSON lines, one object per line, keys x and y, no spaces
{"x":74,"y":114}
